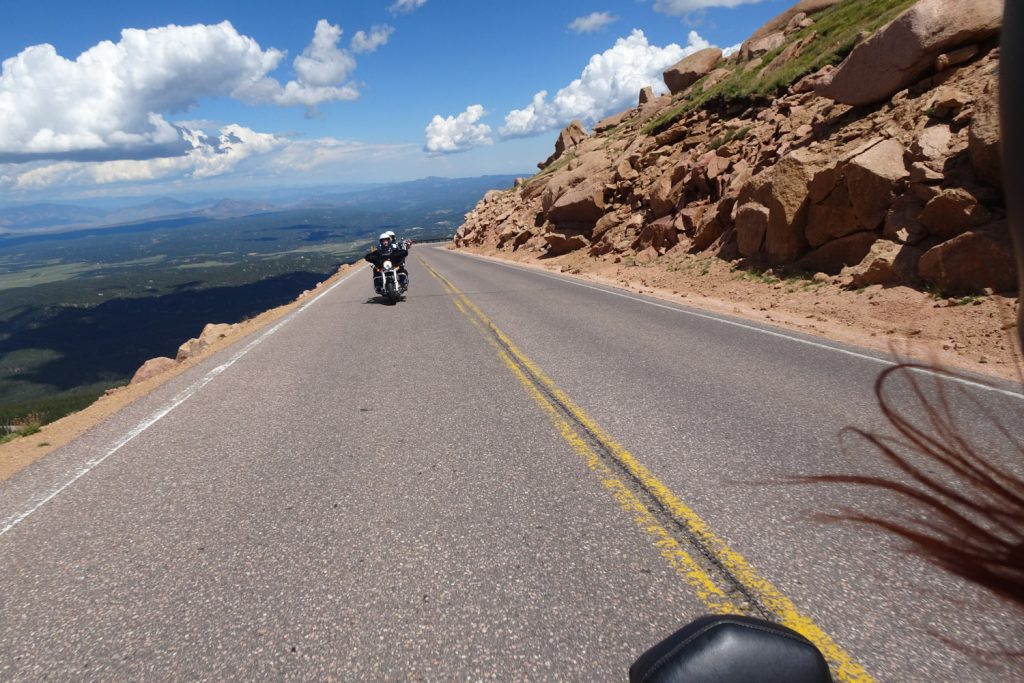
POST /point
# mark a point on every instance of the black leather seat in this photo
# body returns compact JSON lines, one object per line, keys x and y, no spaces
{"x":721,"y":649}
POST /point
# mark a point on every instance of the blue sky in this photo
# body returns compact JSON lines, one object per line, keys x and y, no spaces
{"x":131,"y":98}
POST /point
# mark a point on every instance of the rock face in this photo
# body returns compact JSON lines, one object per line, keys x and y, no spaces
{"x":689,"y":70}
{"x":900,"y":53}
{"x":153,"y":367}
{"x":902,"y":193}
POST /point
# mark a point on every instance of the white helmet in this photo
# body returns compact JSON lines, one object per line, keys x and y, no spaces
{"x":391,"y":234}
{"x":386,"y":235}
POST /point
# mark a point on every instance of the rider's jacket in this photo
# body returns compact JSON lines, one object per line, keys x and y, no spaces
{"x":395,"y":254}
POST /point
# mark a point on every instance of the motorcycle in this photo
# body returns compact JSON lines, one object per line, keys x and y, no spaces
{"x":387,"y":283}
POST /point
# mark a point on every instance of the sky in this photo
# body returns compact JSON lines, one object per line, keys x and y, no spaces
{"x":122,"y":99}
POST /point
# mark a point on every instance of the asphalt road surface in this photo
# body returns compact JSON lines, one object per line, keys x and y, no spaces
{"x":507,"y":476}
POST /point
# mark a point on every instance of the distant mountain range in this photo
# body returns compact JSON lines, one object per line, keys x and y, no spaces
{"x":25,"y":219}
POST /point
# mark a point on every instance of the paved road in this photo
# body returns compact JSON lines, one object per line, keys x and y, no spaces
{"x":507,"y":476}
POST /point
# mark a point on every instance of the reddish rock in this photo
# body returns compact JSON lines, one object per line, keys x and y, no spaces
{"x":153,"y":367}
{"x":606,"y":124}
{"x":660,"y":234}
{"x":902,"y":222}
{"x":871,"y":180}
{"x":189,"y":349}
{"x":788,"y":202}
{"x":582,"y":204}
{"x":707,"y":231}
{"x":971,"y":262}
{"x":690,"y":217}
{"x":947,"y":101}
{"x":983,"y":141}
{"x":560,"y":243}
{"x":571,"y":135}
{"x":646,"y":95}
{"x":689,"y":70}
{"x":646,"y":256}
{"x":951,"y":212}
{"x":964,"y":54}
{"x":832,"y":256}
{"x":781,"y":21}
{"x":831,"y":218}
{"x":662,"y":197}
{"x":933,"y":143}
{"x":886,"y":263}
{"x":814,"y":80}
{"x":756,"y":47}
{"x":751,"y":227}
{"x":905,"y":49}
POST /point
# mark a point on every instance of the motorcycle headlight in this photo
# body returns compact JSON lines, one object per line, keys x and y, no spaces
{"x":387,"y":264}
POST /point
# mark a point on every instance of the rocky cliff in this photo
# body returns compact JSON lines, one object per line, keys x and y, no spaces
{"x":855,"y":138}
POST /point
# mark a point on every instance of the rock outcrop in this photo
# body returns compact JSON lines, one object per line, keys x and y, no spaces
{"x":570,"y":136}
{"x":210,"y":334}
{"x":690,"y":69}
{"x":903,"y":192}
{"x":902,"y":52}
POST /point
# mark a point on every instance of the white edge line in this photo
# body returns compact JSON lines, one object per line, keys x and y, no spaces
{"x":754,"y":328}
{"x":155,"y":417}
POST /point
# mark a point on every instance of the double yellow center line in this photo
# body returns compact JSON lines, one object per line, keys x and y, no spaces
{"x":721,"y":578}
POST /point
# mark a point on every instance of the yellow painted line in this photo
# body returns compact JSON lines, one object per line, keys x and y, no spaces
{"x":844,"y":666}
{"x":680,"y":560}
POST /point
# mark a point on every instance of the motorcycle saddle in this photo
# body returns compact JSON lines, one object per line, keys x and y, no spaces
{"x":720,"y":649}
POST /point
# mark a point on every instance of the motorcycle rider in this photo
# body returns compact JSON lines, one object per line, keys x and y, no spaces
{"x":401,"y":244}
{"x":388,"y":251}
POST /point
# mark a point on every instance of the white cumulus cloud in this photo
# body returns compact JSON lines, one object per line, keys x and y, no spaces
{"x":406,"y":6}
{"x":610,"y":82}
{"x":110,"y":102}
{"x":448,"y":135}
{"x":680,"y":8}
{"x":595,"y":21}
{"x":206,"y":157}
{"x":322,"y":70}
{"x":363,"y":43}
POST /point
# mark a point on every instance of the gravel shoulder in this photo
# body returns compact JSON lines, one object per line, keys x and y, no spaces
{"x":971,"y":333}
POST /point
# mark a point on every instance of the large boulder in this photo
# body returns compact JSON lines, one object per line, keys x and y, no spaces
{"x":871,"y":179}
{"x":690,"y":69}
{"x":660,"y":234}
{"x":953,"y":211}
{"x":561,"y":243}
{"x":592,"y":167}
{"x":152,"y":368}
{"x":855,"y":196}
{"x":751,"y":227}
{"x":973,"y":261}
{"x":900,"y":53}
{"x":583,"y":204}
{"x":886,"y":263}
{"x":662,"y":196}
{"x":787,"y":202}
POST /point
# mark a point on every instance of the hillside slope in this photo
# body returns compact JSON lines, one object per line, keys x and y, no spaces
{"x":848,"y":144}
